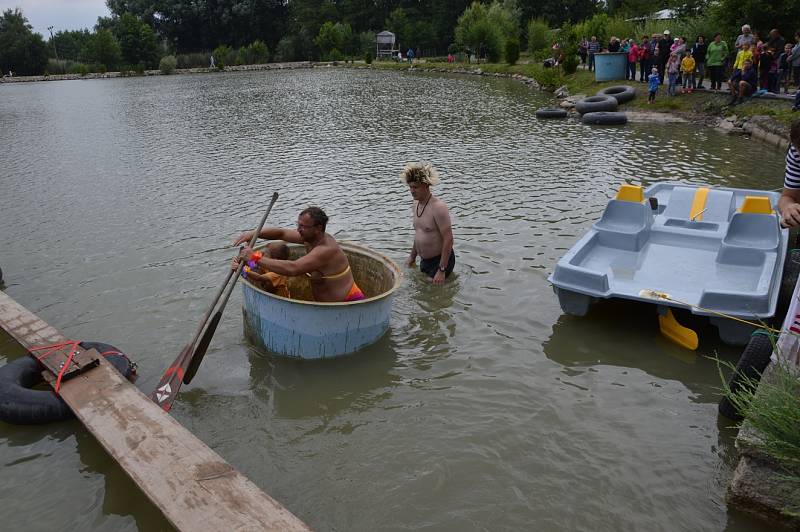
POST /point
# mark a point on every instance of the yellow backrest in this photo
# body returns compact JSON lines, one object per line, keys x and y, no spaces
{"x":756,"y":205}
{"x":632,"y":193}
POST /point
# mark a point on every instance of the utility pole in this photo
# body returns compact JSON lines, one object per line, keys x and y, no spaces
{"x":55,"y":50}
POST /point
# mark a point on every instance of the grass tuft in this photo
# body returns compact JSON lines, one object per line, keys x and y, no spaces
{"x":772,"y":407}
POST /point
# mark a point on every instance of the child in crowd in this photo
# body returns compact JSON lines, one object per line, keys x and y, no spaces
{"x":633,"y":58}
{"x":673,"y":67}
{"x":266,"y":280}
{"x":687,"y":69}
{"x":784,"y":68}
{"x":652,"y":85}
{"x":745,"y":54}
{"x":645,"y":57}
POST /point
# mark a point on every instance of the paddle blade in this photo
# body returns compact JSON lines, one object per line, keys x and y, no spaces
{"x":202,"y":347}
{"x":167,"y":388}
{"x":683,"y":336}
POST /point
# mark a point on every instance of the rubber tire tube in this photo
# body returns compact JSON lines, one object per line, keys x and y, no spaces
{"x":594,"y":104}
{"x":622,"y":93}
{"x":605,"y":118}
{"x":550,"y":112}
{"x":22,"y":405}
{"x":754,"y":360}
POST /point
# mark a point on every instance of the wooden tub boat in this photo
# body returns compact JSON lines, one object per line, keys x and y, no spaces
{"x":302,"y":328}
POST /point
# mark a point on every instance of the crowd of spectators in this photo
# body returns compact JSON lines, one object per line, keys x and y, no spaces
{"x":756,"y":63}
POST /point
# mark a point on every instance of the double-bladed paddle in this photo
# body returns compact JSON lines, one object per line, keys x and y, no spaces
{"x":185,"y":365}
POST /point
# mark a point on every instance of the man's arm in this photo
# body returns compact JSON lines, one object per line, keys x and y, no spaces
{"x":313,"y":260}
{"x":789,"y":206}
{"x":442,"y":218}
{"x":412,"y":257}
{"x":271,"y":233}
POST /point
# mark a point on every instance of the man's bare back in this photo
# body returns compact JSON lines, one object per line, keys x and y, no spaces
{"x":332,"y":280}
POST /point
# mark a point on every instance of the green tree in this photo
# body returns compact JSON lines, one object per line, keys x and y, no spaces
{"x":422,"y":35}
{"x":539,"y":34}
{"x":366,"y":43}
{"x":332,"y":37}
{"x":167,"y":64}
{"x":556,"y":12}
{"x":21,"y":51}
{"x":506,"y":16}
{"x":398,"y":23}
{"x":68,"y":44}
{"x":477,"y":32}
{"x":102,"y":48}
{"x":257,"y":53}
{"x":568,"y":40}
{"x":512,"y":51}
{"x":634,"y":8}
{"x":137,"y":41}
{"x":297,"y":47}
{"x":762,"y":15}
{"x":224,"y":56}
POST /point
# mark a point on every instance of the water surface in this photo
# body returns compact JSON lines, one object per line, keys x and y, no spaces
{"x":484,"y":408}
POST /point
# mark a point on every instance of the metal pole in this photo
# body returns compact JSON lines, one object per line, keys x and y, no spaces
{"x":55,"y":50}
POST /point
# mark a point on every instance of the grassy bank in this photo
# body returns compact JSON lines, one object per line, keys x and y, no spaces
{"x":582,"y":82}
{"x":771,"y":410}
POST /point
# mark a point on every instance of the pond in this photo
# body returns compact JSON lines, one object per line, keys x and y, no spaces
{"x":483,"y":408}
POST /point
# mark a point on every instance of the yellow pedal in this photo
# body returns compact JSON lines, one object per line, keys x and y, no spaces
{"x":683,"y":336}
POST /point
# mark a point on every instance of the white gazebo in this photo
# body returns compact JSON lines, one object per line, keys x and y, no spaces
{"x":384,"y":45}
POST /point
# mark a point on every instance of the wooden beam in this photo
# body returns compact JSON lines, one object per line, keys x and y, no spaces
{"x":193,"y":486}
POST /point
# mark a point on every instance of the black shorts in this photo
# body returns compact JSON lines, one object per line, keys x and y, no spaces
{"x":431,"y":266}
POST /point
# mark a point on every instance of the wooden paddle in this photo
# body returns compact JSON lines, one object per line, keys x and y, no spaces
{"x":185,"y":365}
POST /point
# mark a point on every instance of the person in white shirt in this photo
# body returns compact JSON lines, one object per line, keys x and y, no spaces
{"x":789,"y":202}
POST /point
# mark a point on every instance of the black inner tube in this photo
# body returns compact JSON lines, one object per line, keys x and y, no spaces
{"x":22,"y":404}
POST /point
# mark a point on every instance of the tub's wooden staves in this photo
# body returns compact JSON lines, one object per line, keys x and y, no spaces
{"x":192,"y":485}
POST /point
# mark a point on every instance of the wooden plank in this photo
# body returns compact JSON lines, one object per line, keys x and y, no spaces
{"x":192,"y":485}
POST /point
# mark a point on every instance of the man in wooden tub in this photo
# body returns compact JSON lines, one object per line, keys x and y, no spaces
{"x":324,"y":263}
{"x":433,"y":232}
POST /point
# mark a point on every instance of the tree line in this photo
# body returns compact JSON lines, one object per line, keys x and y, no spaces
{"x":139,"y":32}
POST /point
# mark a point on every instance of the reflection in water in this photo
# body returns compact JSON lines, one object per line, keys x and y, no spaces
{"x":596,"y":339}
{"x":429,"y":317}
{"x":324,"y":389}
{"x":120,"y":496}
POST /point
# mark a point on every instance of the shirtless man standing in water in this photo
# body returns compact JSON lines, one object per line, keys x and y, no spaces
{"x":324,"y":263}
{"x":433,"y":234}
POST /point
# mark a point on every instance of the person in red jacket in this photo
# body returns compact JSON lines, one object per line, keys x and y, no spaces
{"x":633,"y":58}
{"x":645,"y":57}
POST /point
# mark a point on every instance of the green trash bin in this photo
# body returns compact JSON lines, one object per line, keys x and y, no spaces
{"x":610,"y":65}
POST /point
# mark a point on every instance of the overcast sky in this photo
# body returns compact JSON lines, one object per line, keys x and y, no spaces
{"x":61,"y":14}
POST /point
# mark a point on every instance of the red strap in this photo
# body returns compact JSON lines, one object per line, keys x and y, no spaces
{"x":73,"y":344}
